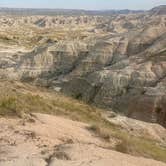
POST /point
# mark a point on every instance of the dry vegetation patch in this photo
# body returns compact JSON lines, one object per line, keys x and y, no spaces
{"x":17,"y":99}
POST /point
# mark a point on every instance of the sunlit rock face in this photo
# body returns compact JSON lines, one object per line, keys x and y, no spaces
{"x":117,"y":61}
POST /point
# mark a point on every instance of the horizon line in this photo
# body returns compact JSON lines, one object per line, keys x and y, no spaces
{"x":37,"y":8}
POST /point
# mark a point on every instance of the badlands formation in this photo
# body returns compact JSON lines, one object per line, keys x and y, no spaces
{"x":117,"y":61}
{"x":112,"y":61}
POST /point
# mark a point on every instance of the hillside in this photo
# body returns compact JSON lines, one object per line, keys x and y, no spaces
{"x":29,"y":137}
{"x":50,"y":140}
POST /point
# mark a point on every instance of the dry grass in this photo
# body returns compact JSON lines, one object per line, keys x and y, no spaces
{"x":28,"y":36}
{"x":137,"y":146}
{"x":17,"y":99}
{"x":104,"y":134}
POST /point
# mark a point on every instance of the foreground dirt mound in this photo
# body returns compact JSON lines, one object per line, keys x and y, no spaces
{"x":45,"y":140}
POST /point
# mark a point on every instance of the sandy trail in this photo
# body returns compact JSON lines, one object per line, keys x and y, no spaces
{"x":47,"y":140}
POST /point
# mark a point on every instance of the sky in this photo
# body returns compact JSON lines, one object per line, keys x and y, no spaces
{"x":83,"y":4}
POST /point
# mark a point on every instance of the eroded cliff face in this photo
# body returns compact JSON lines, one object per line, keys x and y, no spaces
{"x":117,"y":62}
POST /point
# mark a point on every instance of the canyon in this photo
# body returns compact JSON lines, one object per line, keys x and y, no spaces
{"x":116,"y":62}
{"x":82,"y":88}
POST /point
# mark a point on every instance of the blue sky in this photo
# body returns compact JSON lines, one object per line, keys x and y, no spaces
{"x":83,"y":4}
